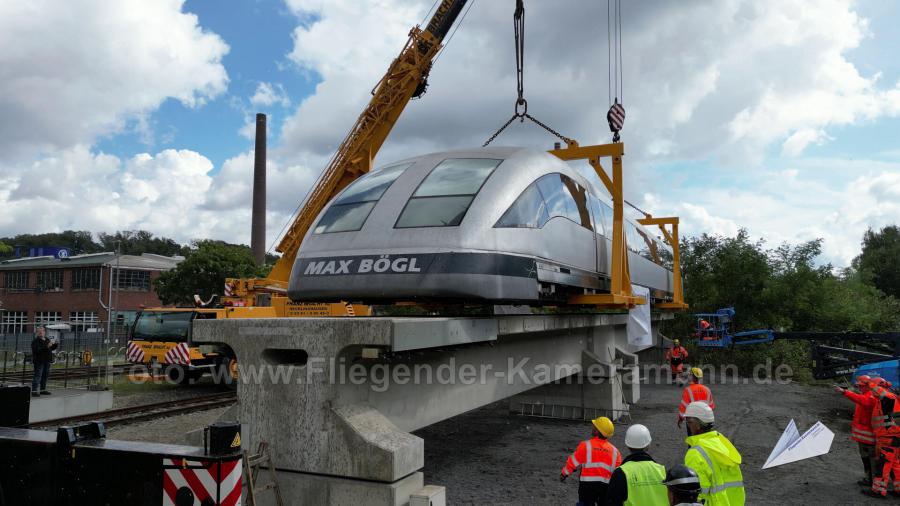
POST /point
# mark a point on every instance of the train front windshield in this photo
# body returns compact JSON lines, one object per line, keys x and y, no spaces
{"x":162,"y":326}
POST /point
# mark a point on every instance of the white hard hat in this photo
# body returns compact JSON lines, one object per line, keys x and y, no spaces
{"x":701,"y":411}
{"x":637,"y":437}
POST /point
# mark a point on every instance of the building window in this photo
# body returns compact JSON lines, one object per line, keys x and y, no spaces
{"x":13,"y":322}
{"x":17,"y":280}
{"x":133,"y":280}
{"x":86,"y":279}
{"x":50,"y":280}
{"x":47,"y":317}
{"x":83,"y":320}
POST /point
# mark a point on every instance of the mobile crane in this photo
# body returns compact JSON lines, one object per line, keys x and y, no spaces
{"x":162,"y":336}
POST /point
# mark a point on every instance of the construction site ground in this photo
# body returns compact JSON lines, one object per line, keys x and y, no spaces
{"x":488,"y":456}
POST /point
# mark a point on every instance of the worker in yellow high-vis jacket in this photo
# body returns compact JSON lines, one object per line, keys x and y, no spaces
{"x":716,"y":461}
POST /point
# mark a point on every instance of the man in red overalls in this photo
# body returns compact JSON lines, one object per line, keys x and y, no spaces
{"x":861,"y":426}
{"x":675,"y":356}
{"x":886,"y":425}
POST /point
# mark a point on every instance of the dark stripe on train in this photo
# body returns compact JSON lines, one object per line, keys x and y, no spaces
{"x":427,"y":263}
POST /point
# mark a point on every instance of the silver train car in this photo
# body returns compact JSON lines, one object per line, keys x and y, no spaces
{"x":495,"y":225}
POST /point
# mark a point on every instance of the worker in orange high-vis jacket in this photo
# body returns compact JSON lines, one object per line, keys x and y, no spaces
{"x":861,"y":426}
{"x":886,"y":425}
{"x":597,"y":458}
{"x":675,"y":356}
{"x":694,"y":392}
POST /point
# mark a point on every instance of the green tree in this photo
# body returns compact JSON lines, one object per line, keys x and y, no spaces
{"x":136,"y":242}
{"x":5,"y":249}
{"x":78,"y":241}
{"x":203,"y":271}
{"x":880,"y":259}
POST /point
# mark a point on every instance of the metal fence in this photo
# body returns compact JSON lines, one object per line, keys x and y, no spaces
{"x":82,"y":359}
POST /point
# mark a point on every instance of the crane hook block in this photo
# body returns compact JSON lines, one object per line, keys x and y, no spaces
{"x":616,"y":117}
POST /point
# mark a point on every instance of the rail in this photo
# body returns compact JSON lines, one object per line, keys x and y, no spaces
{"x":143,"y":412}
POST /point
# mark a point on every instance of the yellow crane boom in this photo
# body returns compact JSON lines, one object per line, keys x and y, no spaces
{"x":406,"y":78}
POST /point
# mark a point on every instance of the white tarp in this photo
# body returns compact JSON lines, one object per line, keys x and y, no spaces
{"x":639,"y":320}
{"x":792,"y":447}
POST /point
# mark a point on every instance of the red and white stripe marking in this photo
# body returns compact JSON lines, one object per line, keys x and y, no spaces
{"x":178,"y":354}
{"x":134,"y":353}
{"x":206,"y":480}
{"x":616,"y":117}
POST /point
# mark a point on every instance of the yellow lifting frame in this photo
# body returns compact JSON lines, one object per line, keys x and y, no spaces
{"x":620,"y":295}
{"x":677,"y":303}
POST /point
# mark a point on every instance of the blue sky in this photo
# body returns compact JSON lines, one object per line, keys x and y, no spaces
{"x":258,"y":33}
{"x":778,"y":116}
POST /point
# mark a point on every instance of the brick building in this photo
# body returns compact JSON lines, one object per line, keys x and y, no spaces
{"x":76,"y":290}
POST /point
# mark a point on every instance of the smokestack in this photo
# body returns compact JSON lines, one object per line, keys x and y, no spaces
{"x":258,"y":223}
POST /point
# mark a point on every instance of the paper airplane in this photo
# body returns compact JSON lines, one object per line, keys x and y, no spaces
{"x":792,"y":447}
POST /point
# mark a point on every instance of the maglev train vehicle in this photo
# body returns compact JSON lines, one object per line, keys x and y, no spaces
{"x":492,"y":225}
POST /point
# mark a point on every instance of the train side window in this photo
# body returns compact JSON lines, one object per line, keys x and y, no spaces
{"x":597,"y":214}
{"x":579,"y":194}
{"x":443,"y":198}
{"x":558,"y":198}
{"x":633,"y":238}
{"x":349,"y":211}
{"x":607,"y":218}
{"x":528,"y":211}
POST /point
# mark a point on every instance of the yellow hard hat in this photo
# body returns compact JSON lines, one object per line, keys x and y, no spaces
{"x":677,"y":342}
{"x":697,"y":372}
{"x":604,"y":425}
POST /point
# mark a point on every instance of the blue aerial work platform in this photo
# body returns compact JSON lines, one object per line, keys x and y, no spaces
{"x":714,"y":331}
{"x":846,"y":353}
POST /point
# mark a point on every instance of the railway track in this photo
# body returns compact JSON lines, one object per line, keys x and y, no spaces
{"x":144,"y":412}
{"x":70,"y":373}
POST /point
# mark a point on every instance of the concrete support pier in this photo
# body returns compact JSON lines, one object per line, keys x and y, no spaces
{"x":337,"y":398}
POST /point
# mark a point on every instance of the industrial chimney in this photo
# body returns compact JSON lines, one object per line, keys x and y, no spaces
{"x":258,"y":224}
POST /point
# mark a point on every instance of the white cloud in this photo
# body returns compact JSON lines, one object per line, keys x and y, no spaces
{"x":268,"y":94}
{"x":719,"y":82}
{"x":72,"y":71}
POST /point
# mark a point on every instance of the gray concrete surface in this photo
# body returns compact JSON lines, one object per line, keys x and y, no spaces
{"x":65,"y":403}
{"x":298,"y":390}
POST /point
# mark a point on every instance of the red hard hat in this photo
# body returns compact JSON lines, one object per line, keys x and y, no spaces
{"x":863,"y":380}
{"x":876,"y":382}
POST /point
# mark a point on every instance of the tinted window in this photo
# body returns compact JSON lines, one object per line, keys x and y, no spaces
{"x":557,"y":195}
{"x":350,"y":210}
{"x":633,"y":238}
{"x":528,"y":211}
{"x":163,"y":326}
{"x":445,"y":195}
{"x":597,"y":214}
{"x":607,"y":218}
{"x":456,"y":176}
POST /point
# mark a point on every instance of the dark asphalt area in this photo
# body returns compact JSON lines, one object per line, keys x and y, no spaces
{"x":488,"y":456}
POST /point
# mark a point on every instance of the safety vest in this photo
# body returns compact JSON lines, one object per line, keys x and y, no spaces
{"x":598,"y":458}
{"x":693,"y":393}
{"x":884,"y":424}
{"x":678,"y":352}
{"x":717,"y":463}
{"x":645,"y":483}
{"x":861,"y":427}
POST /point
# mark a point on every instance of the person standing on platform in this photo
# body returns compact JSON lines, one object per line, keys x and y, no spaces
{"x":41,"y":358}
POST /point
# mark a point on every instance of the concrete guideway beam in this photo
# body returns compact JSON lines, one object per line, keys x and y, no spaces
{"x":306,"y":389}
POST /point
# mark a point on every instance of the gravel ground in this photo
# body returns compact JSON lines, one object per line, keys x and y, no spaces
{"x":170,"y":429}
{"x":487,"y":456}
